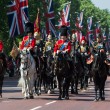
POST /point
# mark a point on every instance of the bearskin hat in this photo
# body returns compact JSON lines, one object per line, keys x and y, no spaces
{"x":64,"y":30}
{"x":29,"y":28}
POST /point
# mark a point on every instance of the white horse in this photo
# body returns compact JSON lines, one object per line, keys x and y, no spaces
{"x":28,"y":73}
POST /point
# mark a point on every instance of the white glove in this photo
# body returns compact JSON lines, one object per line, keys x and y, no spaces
{"x":64,"y":52}
{"x":86,"y":54}
{"x":58,"y":51}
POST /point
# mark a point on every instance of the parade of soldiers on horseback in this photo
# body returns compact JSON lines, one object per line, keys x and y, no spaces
{"x":66,"y":61}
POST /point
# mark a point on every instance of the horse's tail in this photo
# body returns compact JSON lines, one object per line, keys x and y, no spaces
{"x":20,"y":82}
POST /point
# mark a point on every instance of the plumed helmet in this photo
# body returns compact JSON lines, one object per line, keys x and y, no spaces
{"x":73,"y":34}
{"x":64,"y":30}
{"x":83,"y":39}
{"x":50,"y":37}
{"x":29,"y":28}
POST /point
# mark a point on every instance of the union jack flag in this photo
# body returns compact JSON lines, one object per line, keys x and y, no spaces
{"x":50,"y":25}
{"x":65,"y":16}
{"x":97,"y":30}
{"x":17,"y":17}
{"x":89,"y":22}
{"x":79,"y":20}
{"x":90,"y":31}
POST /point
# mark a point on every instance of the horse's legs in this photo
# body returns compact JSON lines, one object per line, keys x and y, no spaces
{"x":96,"y":95}
{"x":102,"y":94}
{"x":60,"y":88}
{"x":72,"y":85}
{"x":81,"y":82}
{"x":1,"y":84}
{"x":37,"y":85}
{"x":64,"y":88}
{"x":67,"y":88}
{"x":24,"y":85}
{"x":30,"y":80}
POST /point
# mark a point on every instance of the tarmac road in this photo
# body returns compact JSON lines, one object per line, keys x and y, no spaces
{"x":13,"y":99}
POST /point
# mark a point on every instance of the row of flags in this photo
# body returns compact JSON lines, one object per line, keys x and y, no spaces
{"x":18,"y":16}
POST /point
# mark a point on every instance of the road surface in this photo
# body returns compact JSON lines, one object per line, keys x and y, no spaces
{"x":13,"y":99}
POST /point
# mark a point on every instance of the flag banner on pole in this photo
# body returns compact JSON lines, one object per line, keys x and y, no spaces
{"x":89,"y":22}
{"x":97,"y":30}
{"x":17,"y":17}
{"x":79,"y":20}
{"x":50,"y":24}
{"x":90,"y":36}
{"x":37,"y":23}
{"x":65,"y":16}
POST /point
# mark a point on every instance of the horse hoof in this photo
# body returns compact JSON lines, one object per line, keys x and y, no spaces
{"x":72,"y":92}
{"x":25,"y":97}
{"x":59,"y":98}
{"x":49,"y":92}
{"x":31,"y":97}
{"x":76,"y":92}
{"x":103,"y":98}
{"x":0,"y":95}
{"x":67,"y":97}
{"x":96,"y":100}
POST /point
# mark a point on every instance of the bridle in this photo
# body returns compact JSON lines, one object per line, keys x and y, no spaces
{"x":26,"y":60}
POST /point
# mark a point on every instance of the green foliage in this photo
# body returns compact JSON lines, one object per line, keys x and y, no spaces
{"x":76,"y":6}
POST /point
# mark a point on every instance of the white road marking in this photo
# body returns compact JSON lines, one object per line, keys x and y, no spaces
{"x":91,"y":88}
{"x":6,"y":101}
{"x":36,"y":108}
{"x":50,"y":103}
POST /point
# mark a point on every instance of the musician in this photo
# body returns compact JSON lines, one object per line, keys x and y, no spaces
{"x":74,"y":43}
{"x":84,"y":50}
{"x":99,"y":45}
{"x":48,"y":48}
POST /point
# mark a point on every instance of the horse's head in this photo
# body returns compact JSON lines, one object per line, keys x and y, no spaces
{"x":60,"y":57}
{"x":60,"y":62}
{"x":99,"y":58}
{"x":24,"y":56}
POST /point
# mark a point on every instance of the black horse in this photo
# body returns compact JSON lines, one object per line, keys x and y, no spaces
{"x":63,"y":73}
{"x":78,"y":70}
{"x":99,"y":74}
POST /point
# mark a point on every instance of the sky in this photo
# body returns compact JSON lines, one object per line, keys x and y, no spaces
{"x":102,"y":4}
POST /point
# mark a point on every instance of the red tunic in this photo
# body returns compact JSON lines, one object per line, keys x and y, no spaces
{"x":59,"y":43}
{"x":1,"y":46}
{"x":26,"y":42}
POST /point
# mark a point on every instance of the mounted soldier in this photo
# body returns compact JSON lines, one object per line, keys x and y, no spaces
{"x":74,"y":43}
{"x":99,"y":45}
{"x":86,"y":55}
{"x":84,"y":50}
{"x":48,"y":48}
{"x":28,"y":41}
{"x":63,"y":45}
{"x":62,"y":63}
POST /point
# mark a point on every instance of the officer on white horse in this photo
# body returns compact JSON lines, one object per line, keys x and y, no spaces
{"x":27,"y":66}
